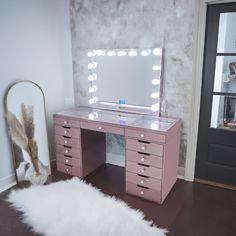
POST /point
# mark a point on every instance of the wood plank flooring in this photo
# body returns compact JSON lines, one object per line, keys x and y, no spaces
{"x":191,"y":209}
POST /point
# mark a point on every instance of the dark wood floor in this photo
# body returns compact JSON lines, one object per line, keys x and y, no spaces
{"x":191,"y":209}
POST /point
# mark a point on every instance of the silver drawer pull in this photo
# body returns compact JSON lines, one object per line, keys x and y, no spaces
{"x":65,"y":132}
{"x":66,"y":142}
{"x":142,"y":135}
{"x":143,"y":147}
{"x":142,"y":159}
{"x":66,"y":151}
{"x":143,"y":170}
{"x":142,"y":181}
{"x":65,"y":122}
{"x":142,"y":192}
{"x":67,"y":170}
{"x":67,"y":160}
{"x":100,"y":127}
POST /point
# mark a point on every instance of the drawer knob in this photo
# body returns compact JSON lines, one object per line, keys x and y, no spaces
{"x":66,"y":142}
{"x":66,"y":151}
{"x":143,"y":147}
{"x":65,"y":122}
{"x":142,"y":135}
{"x":142,"y":181}
{"x":67,"y":160}
{"x":142,"y":171}
{"x":65,"y":132}
{"x":142,"y":192}
{"x":100,"y":127}
{"x":67,"y":170}
{"x":143,"y":159}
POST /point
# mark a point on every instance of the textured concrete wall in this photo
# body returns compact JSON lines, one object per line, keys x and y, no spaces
{"x":141,"y":24}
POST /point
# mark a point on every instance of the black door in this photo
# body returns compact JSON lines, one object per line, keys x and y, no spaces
{"x":216,"y":149}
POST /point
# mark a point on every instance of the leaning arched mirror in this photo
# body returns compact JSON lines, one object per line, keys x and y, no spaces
{"x":26,"y":118}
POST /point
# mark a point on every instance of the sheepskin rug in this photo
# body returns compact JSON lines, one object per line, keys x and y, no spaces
{"x":75,"y":208}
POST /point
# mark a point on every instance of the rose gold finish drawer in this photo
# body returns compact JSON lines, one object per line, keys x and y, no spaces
{"x":148,"y":171}
{"x":145,"y":135}
{"x":68,"y":132}
{"x":146,"y":182}
{"x":65,"y":141}
{"x":73,"y":152}
{"x":63,"y":121}
{"x":102,"y":128}
{"x":150,"y":160}
{"x":150,"y":148}
{"x":69,"y":170}
{"x":76,"y":162}
{"x":150,"y":194}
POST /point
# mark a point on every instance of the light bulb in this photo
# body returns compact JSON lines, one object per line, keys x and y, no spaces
{"x":95,"y":88}
{"x":133,"y":53}
{"x":121,"y":53}
{"x":155,"y":95}
{"x":155,"y":107}
{"x":94,"y":64}
{"x":145,"y":52}
{"x":155,"y":81}
{"x":91,"y":89}
{"x":92,"y":77}
{"x":91,"y":54}
{"x":156,"y":67}
{"x":91,"y":116}
{"x":95,"y":99}
{"x":111,"y":53}
{"x":90,"y":66}
{"x":100,"y":52}
{"x":156,"y":51}
{"x":91,"y":101}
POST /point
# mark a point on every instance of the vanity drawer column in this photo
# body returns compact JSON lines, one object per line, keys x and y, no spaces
{"x":68,"y":146}
{"x":144,"y":164}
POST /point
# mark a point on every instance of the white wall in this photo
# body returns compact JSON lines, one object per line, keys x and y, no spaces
{"x":35,"y":44}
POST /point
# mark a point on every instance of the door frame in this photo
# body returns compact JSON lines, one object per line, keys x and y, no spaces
{"x":198,"y":56}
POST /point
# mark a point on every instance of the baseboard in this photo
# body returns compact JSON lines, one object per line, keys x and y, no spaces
{"x":181,"y":172}
{"x":7,"y":182}
{"x":115,"y":159}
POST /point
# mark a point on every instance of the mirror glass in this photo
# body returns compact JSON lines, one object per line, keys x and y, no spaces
{"x":227,"y":33}
{"x":125,"y":77}
{"x":26,"y":118}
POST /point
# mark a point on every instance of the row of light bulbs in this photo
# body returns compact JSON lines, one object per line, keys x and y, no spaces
{"x":131,"y":52}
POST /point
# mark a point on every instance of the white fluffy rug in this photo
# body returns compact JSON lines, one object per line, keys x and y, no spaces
{"x":75,"y":208}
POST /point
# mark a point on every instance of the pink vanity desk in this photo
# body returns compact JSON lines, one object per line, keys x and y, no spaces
{"x":152,"y":147}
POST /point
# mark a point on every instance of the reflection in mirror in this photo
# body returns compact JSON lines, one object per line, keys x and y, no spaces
{"x":126,"y":77}
{"x":225,"y":74}
{"x":227,"y":33}
{"x":26,"y":118}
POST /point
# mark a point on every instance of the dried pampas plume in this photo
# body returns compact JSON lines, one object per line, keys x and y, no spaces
{"x":23,"y":134}
{"x":17,"y":131}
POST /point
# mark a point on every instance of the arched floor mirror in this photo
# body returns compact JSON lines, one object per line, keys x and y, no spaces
{"x":24,"y":103}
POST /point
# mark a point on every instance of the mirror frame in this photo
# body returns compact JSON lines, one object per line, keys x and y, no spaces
{"x":9,"y":136}
{"x":151,"y":110}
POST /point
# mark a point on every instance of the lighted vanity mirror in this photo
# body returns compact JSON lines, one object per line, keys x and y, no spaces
{"x":125,"y":78}
{"x":26,"y":119}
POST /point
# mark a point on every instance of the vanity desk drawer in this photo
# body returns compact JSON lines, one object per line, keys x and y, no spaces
{"x":76,"y":162}
{"x":67,"y":132}
{"x":148,"y":171}
{"x":67,"y":141}
{"x":147,"y":193}
{"x":72,"y":152}
{"x":143,"y":181}
{"x":102,"y":128}
{"x":64,"y":121}
{"x":146,"y":159}
{"x":69,"y":169}
{"x":138,"y":134}
{"x":145,"y":147}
